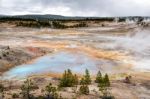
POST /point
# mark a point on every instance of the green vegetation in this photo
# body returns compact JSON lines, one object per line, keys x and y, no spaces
{"x":86,"y":78}
{"x":84,"y":89}
{"x":54,"y":18}
{"x":15,"y":95}
{"x":26,"y":88}
{"x":50,"y":24}
{"x":121,"y":20}
{"x":104,"y":84}
{"x":102,"y":80}
{"x":1,"y":91}
{"x":85,"y":81}
{"x":98,"y":77}
{"x":51,"y":91}
{"x":68,"y":79}
{"x":1,"y":88}
{"x":81,"y":24}
{"x":106,"y":80}
{"x":58,"y":25}
{"x":35,"y":24}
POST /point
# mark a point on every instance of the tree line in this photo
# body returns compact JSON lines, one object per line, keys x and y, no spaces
{"x":50,"y":24}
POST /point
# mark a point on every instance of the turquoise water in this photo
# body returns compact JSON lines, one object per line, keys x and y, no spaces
{"x":55,"y":63}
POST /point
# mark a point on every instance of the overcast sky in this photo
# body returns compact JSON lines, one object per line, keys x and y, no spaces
{"x":76,"y":7}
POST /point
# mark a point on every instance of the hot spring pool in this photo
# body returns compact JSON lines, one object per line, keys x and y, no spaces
{"x":55,"y":63}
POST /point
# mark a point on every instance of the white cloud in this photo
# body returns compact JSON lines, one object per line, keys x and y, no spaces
{"x":77,"y":7}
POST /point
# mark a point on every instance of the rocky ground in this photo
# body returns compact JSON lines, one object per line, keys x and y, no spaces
{"x":110,"y":49}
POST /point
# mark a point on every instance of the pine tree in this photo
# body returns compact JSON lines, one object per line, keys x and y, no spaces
{"x":82,"y":81}
{"x":1,"y":88}
{"x":87,"y":77}
{"x":51,"y":91}
{"x":75,"y":79}
{"x":99,"y":77}
{"x":84,"y":89}
{"x":106,"y":80}
{"x":1,"y":91}
{"x":63,"y":81}
{"x":68,"y":79}
{"x":104,"y":87}
{"x":26,"y":88}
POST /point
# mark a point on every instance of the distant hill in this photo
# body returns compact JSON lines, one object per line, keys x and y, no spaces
{"x":42,"y":17}
{"x":59,"y":17}
{"x":2,"y":16}
{"x":51,"y":17}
